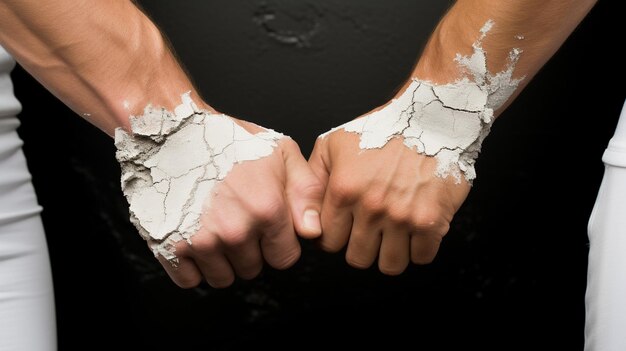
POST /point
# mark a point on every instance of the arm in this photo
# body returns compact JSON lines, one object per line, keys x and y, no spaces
{"x":415,"y":155}
{"x":108,"y":62}
{"x":538,"y":28}
{"x":105,"y":59}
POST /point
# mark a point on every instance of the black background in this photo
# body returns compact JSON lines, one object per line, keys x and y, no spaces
{"x":510,"y":274}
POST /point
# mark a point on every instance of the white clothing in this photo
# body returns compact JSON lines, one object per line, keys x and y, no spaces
{"x":605,"y":325}
{"x":27,"y":317}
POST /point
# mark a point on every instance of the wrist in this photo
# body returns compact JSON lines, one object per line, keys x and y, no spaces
{"x":452,"y":37}
{"x":150,"y":75}
{"x":444,"y":112}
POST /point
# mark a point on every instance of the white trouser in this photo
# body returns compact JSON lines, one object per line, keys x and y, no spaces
{"x":605,"y":326}
{"x":27,"y":320}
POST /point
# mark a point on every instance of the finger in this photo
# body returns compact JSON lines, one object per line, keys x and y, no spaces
{"x":246,"y":258}
{"x":304,"y":192}
{"x":280,"y":246}
{"x":424,"y":248}
{"x":216,"y":269}
{"x":394,"y":250}
{"x":336,"y":225}
{"x":207,"y":252}
{"x":336,"y":221}
{"x":185,"y":273}
{"x":364,"y":243}
{"x":317,"y":163}
{"x":429,"y":224}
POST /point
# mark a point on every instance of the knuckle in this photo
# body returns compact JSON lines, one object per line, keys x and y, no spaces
{"x":399,"y":215}
{"x":423,"y":259}
{"x":234,"y":236}
{"x":374,"y":202}
{"x":287,"y":259}
{"x":269,"y":210}
{"x":312,"y":187}
{"x":330,"y":245}
{"x":391,"y":269}
{"x":342,"y":191}
{"x":393,"y":264}
{"x":357,"y":263}
{"x":443,"y":230}
{"x":201,"y":243}
{"x":222,"y":282}
{"x":251,"y":272}
{"x":318,"y":143}
{"x":290,"y":145}
{"x":427,"y":219}
{"x":188,"y":282}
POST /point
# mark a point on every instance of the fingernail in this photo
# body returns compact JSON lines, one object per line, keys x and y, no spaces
{"x":312,"y":221}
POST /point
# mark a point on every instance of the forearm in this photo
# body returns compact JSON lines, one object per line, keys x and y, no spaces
{"x":104,"y":59}
{"x":479,"y":57}
{"x":536,"y":27}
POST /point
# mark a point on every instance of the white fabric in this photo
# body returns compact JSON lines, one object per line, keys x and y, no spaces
{"x":27,"y":320}
{"x":9,"y":106}
{"x":605,"y":326}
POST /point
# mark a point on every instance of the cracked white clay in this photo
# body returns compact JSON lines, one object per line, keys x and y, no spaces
{"x":449,"y":121}
{"x":172,"y":162}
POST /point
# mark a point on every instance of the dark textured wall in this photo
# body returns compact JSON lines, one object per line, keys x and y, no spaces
{"x":510,"y":274}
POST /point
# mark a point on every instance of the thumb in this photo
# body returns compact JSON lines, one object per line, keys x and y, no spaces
{"x":304,"y":192}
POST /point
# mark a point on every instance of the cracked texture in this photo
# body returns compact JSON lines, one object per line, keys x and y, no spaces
{"x":449,"y":121}
{"x":172,"y":162}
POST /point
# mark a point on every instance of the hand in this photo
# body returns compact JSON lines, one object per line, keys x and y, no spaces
{"x":254,"y":215}
{"x":386,"y":203}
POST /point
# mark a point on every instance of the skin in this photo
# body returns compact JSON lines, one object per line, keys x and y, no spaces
{"x":106,"y":60}
{"x":397,"y":209}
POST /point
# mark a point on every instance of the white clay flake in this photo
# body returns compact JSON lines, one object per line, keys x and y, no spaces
{"x":172,"y":162}
{"x":448,"y":122}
